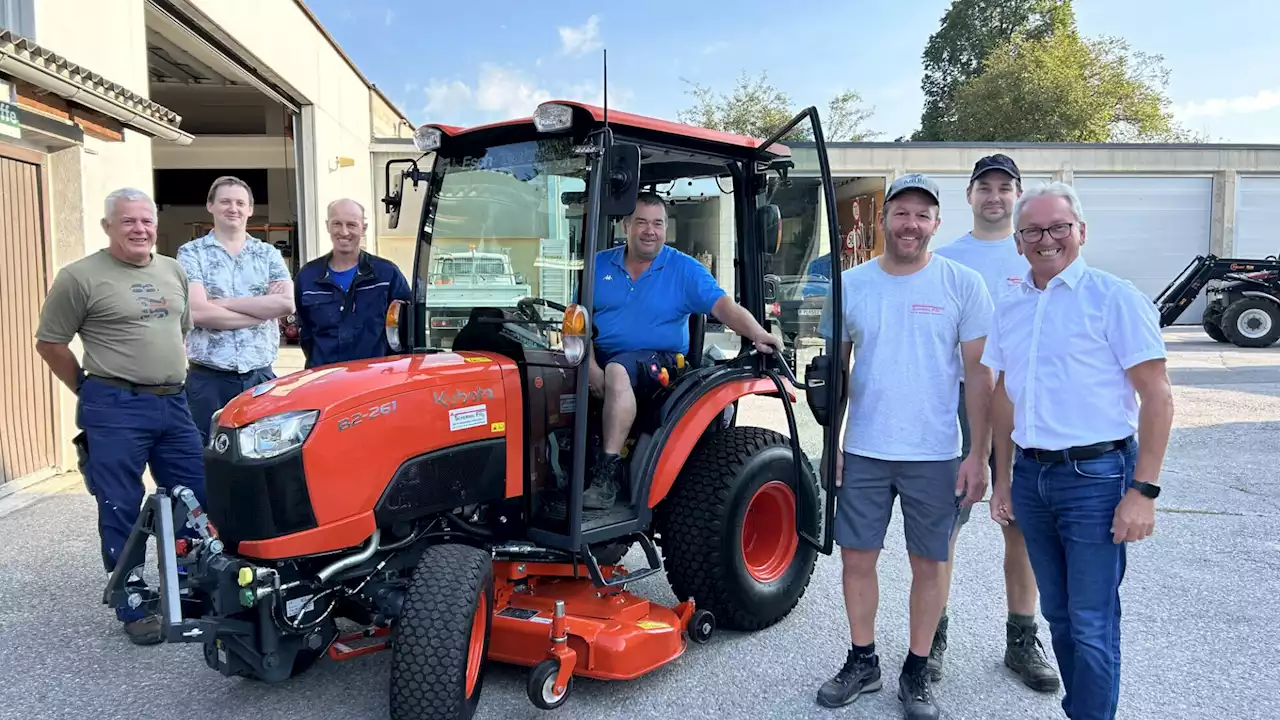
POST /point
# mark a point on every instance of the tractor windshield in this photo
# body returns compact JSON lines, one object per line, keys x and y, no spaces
{"x":506,"y":225}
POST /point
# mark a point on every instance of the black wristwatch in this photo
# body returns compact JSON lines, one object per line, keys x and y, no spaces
{"x":1150,"y":490}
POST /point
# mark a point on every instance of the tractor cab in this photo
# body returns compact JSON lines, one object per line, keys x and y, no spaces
{"x":551,"y":193}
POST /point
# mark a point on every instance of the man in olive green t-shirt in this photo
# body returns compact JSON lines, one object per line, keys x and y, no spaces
{"x":130,"y":309}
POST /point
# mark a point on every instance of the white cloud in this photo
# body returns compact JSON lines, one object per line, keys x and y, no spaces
{"x":581,"y":40}
{"x":391,"y":17}
{"x":503,"y":93}
{"x":1243,"y":105}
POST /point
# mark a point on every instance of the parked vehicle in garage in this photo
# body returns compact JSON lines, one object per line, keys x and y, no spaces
{"x":1243,"y":299}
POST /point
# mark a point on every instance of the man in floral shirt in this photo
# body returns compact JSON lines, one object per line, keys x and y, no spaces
{"x":240,"y":286}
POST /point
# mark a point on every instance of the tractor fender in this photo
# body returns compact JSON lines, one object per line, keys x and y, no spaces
{"x":689,"y":428}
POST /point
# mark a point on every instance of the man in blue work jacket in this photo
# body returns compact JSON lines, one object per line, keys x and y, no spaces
{"x":645,"y":292}
{"x":342,"y":297}
{"x":131,"y":309}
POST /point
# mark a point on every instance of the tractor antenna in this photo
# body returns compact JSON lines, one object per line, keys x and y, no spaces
{"x":606,"y":87}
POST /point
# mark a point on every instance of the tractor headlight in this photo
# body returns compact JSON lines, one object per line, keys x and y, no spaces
{"x":552,"y":117}
{"x":276,"y":434}
{"x":426,"y":138}
{"x":574,"y":331}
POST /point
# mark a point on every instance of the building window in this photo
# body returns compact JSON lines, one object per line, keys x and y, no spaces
{"x":19,"y":17}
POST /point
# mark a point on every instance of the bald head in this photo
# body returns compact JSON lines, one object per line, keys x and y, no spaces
{"x":347,"y":225}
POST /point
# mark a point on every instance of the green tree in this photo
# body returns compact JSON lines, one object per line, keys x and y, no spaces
{"x":1066,"y":89}
{"x":970,"y":31}
{"x":757,"y":108}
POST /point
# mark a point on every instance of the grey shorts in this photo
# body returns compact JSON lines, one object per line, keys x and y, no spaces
{"x":864,"y":503}
{"x":964,"y":453}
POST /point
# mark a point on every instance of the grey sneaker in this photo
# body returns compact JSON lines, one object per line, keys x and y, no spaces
{"x":1025,"y":656}
{"x":938,"y":649}
{"x":859,"y":675}
{"x":916,"y":694}
{"x":605,"y":482}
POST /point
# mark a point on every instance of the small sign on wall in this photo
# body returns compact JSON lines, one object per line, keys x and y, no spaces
{"x":9,"y":124}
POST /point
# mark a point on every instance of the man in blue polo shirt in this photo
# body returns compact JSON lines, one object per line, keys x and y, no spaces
{"x":644,"y":295}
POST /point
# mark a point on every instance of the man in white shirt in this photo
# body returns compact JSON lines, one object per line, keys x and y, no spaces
{"x":990,"y":249}
{"x":916,"y":322}
{"x":1074,"y":349}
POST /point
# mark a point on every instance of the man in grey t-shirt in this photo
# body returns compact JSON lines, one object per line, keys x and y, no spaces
{"x":915,"y":324}
{"x":130,"y":309}
{"x":989,"y":248}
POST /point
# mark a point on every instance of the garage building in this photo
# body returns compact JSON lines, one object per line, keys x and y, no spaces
{"x":162,"y":95}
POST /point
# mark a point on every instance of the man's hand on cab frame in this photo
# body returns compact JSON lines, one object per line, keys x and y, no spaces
{"x":739,"y":320}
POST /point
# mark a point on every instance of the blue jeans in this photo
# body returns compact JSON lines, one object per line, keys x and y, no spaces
{"x":1065,"y":510}
{"x":124,"y":433}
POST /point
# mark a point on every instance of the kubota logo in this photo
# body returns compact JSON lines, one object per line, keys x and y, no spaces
{"x":458,"y":397}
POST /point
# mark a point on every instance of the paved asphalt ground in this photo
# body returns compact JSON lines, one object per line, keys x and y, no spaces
{"x":1200,"y":607}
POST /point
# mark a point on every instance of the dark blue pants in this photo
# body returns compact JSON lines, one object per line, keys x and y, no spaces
{"x":1065,"y":511}
{"x":208,"y":390}
{"x":124,"y":433}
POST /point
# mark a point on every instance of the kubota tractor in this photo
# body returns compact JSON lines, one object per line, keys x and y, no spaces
{"x":432,"y":501}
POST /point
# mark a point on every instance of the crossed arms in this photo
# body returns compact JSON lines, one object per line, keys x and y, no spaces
{"x":236,"y":313}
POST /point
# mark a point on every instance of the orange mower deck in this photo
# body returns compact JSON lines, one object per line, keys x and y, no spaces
{"x":552,"y":618}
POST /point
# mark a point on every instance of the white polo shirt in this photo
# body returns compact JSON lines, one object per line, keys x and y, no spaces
{"x":1064,"y":351}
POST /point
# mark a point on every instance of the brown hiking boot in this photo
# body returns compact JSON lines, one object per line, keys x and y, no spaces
{"x":145,"y":631}
{"x":1025,"y":656}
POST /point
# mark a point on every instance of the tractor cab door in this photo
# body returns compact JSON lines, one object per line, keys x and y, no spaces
{"x":792,"y":284}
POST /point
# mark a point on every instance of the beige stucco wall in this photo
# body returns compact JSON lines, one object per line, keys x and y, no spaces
{"x":281,"y":36}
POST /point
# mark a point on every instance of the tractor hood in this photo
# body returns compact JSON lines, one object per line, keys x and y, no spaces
{"x":339,"y":387}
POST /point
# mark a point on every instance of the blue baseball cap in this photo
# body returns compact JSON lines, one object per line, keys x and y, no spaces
{"x":914,"y":181}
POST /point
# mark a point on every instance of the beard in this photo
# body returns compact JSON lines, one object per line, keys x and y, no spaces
{"x":898,"y":254}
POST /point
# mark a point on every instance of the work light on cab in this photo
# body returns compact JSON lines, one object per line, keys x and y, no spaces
{"x":552,"y":117}
{"x":426,"y":138}
{"x":574,"y":330}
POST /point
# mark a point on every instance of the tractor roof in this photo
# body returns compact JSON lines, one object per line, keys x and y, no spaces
{"x":732,"y":143}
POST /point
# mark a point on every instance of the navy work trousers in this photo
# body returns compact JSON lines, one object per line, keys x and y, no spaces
{"x":208,"y":390}
{"x":1066,"y":510}
{"x":124,"y":432}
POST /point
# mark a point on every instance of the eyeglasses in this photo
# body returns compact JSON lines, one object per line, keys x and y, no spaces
{"x":1034,"y":235}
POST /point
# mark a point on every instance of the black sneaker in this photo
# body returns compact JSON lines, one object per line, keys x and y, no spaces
{"x":916,"y":694}
{"x":938,"y":649}
{"x":1025,"y":656}
{"x":605,"y":482}
{"x":859,"y":675}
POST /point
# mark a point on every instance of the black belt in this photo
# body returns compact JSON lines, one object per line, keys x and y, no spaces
{"x":1082,"y":452}
{"x":136,"y":388}
{"x":211,"y":370}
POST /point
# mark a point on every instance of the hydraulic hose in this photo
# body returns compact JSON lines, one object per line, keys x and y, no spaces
{"x":327,"y":572}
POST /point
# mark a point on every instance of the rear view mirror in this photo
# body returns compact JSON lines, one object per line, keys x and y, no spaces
{"x":622,"y":162}
{"x":395,"y":191}
{"x":769,"y":226}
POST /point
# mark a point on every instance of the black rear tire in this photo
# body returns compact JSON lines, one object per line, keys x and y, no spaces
{"x":701,"y":525}
{"x":1239,"y":318}
{"x":433,"y":635}
{"x":1210,"y":321}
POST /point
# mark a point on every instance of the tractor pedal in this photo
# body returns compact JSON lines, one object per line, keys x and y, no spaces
{"x":346,"y":647}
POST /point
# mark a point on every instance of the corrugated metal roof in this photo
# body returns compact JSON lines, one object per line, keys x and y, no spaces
{"x":28,"y":51}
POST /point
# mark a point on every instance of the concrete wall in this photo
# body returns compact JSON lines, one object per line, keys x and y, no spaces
{"x":281,"y":36}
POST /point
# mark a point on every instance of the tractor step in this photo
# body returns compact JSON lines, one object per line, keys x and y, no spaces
{"x":346,"y":647}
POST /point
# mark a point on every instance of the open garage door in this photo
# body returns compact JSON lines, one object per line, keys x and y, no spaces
{"x":1257,"y":199}
{"x":26,"y":395}
{"x":1147,"y":229}
{"x":957,"y":216}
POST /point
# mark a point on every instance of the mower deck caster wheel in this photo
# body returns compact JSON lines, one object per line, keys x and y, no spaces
{"x":701,"y":626}
{"x":542,"y":685}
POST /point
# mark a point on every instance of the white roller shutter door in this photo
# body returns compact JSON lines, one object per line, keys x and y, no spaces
{"x":1147,"y":229}
{"x":957,"y":216}
{"x":1257,"y":199}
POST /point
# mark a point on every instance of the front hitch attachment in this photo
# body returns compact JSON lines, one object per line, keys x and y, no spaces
{"x":156,"y":519}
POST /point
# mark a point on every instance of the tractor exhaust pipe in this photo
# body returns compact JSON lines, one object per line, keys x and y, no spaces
{"x":350,"y":561}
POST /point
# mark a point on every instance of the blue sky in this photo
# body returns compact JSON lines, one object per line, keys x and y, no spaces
{"x":492,"y":59}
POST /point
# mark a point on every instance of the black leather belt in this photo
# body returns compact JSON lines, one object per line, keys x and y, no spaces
{"x":136,"y":388}
{"x":1082,"y":452}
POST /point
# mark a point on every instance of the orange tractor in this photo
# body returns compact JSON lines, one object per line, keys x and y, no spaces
{"x":433,"y":500}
